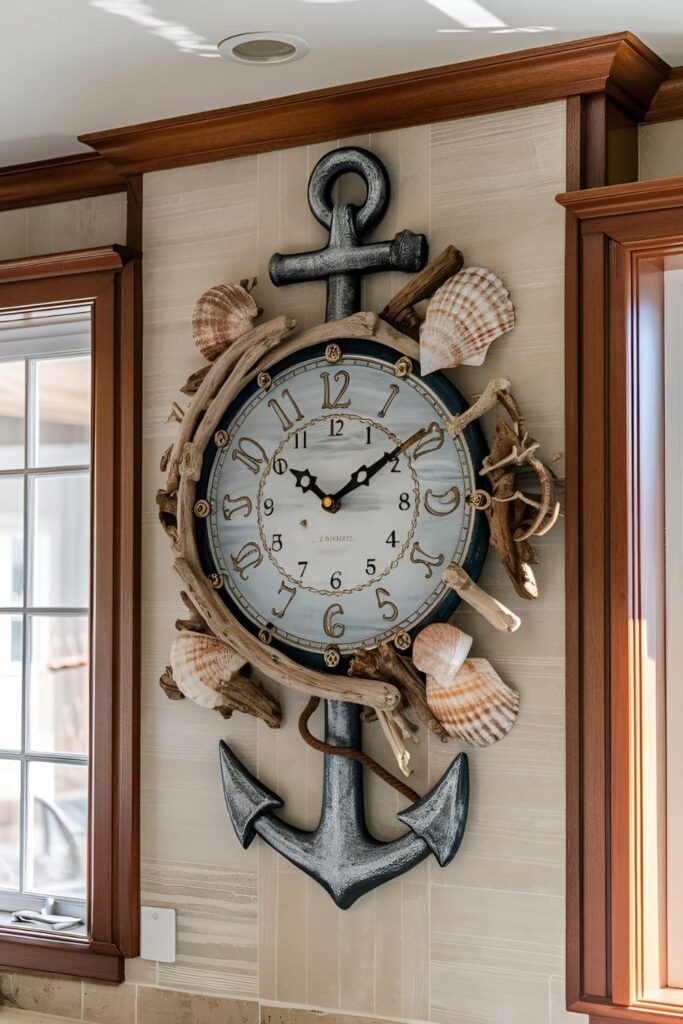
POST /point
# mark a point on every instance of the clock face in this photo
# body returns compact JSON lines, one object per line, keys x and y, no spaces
{"x":335,"y":499}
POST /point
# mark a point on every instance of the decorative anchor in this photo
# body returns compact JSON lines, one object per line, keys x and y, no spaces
{"x":341,"y":854}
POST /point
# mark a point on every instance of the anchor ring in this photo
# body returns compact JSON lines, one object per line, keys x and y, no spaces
{"x":349,"y":161}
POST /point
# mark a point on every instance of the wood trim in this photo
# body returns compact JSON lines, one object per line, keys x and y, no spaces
{"x":92,"y":960}
{"x":610,"y":420}
{"x":634,"y":197}
{"x":64,"y":264}
{"x":58,"y":180}
{"x":618,"y":65}
{"x":111,"y":281}
{"x":667,"y":104}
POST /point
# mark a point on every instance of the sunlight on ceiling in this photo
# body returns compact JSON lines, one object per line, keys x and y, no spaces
{"x":183,"y":38}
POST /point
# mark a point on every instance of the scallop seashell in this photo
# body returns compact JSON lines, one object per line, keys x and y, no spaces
{"x":220,"y":316}
{"x":477,"y":706}
{"x":464,"y":316}
{"x":439,"y":650}
{"x":201,"y":667}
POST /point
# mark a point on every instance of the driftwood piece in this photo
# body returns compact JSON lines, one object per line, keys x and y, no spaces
{"x":271,"y":661}
{"x":251,"y":345}
{"x":245,"y":695}
{"x":384,"y":663}
{"x":394,"y":738}
{"x":168,"y":515}
{"x":486,"y":401}
{"x":191,"y":385}
{"x":168,"y":685}
{"x":506,"y":514}
{"x":399,"y":311}
{"x":195,"y":623}
{"x":492,"y":610}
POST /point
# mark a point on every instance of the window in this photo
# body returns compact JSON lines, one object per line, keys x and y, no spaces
{"x":69,"y":373}
{"x":45,"y":370}
{"x":625,"y":603}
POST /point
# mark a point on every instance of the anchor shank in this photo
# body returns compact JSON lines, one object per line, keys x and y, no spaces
{"x":343,"y":777}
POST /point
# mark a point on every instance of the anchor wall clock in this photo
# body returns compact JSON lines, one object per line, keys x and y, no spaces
{"x":329,"y":503}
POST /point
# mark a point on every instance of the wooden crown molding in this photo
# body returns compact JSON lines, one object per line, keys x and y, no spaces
{"x":619,"y":65}
{"x":58,"y":264}
{"x":50,"y":181}
{"x":668,"y":102}
{"x":634,"y":197}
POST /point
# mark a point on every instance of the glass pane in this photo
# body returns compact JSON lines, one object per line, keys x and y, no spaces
{"x":10,"y":683}
{"x":10,"y":819}
{"x":58,"y":681}
{"x":61,"y":541}
{"x":56,"y":854}
{"x":12,"y":400}
{"x":62,"y":402}
{"x":11,"y":541}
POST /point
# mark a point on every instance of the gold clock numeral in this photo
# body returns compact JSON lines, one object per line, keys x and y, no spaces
{"x":430,"y":442}
{"x":284,"y":419}
{"x":248,"y":557}
{"x":341,"y":377}
{"x":292,"y":594}
{"x":233,"y":505}
{"x":382,"y":595}
{"x":420,"y":557}
{"x":393,"y":391}
{"x":333,"y":629}
{"x":442,"y":504}
{"x":250,"y":453}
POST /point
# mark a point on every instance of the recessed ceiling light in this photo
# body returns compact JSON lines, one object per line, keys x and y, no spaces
{"x":263,"y":48}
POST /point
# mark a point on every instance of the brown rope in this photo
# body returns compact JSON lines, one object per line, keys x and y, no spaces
{"x":352,"y":752}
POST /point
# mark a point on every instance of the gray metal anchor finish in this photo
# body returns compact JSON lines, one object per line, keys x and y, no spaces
{"x":341,"y":854}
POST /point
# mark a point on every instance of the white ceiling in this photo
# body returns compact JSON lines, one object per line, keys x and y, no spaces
{"x":73,"y":66}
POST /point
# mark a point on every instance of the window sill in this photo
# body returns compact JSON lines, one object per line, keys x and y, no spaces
{"x":55,"y":953}
{"x":7,"y":924}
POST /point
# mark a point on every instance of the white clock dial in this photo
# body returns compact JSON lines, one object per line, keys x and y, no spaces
{"x":371,"y":567}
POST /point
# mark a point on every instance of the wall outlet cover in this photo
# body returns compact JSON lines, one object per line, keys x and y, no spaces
{"x":157,"y":934}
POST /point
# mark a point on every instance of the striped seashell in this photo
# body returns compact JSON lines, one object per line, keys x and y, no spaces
{"x":477,"y":707}
{"x":439,"y":650}
{"x":220,"y":316}
{"x":464,"y":316}
{"x":202,"y":665}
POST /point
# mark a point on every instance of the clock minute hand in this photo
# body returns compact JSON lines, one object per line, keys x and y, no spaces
{"x":364,"y":474}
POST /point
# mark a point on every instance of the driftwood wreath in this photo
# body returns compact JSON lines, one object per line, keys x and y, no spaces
{"x":214,"y":654}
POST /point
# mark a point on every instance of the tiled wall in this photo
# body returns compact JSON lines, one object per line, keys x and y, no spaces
{"x":660,"y":150}
{"x":481,"y":941}
{"x":78,"y":224}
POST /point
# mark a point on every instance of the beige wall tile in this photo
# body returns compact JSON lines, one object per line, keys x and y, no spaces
{"x":162,"y":1006}
{"x":108,"y":1004}
{"x":139,"y":971}
{"x":48,"y":994}
{"x":660,"y":150}
{"x":6,"y":989}
{"x":559,"y":1014}
{"x":216,"y":925}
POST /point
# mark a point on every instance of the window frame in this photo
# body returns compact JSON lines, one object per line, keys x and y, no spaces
{"x":109,"y":279}
{"x":615,"y":590}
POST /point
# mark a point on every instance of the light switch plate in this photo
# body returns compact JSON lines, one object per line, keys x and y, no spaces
{"x":157,"y":934}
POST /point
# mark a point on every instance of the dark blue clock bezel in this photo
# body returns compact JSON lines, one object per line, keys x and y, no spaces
{"x":473,"y":437}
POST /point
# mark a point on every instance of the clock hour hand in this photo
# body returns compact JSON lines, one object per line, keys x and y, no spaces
{"x":362,"y":476}
{"x":307,"y":482}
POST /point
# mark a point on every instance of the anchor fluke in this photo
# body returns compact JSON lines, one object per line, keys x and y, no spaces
{"x":439,"y":818}
{"x":245,"y":797}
